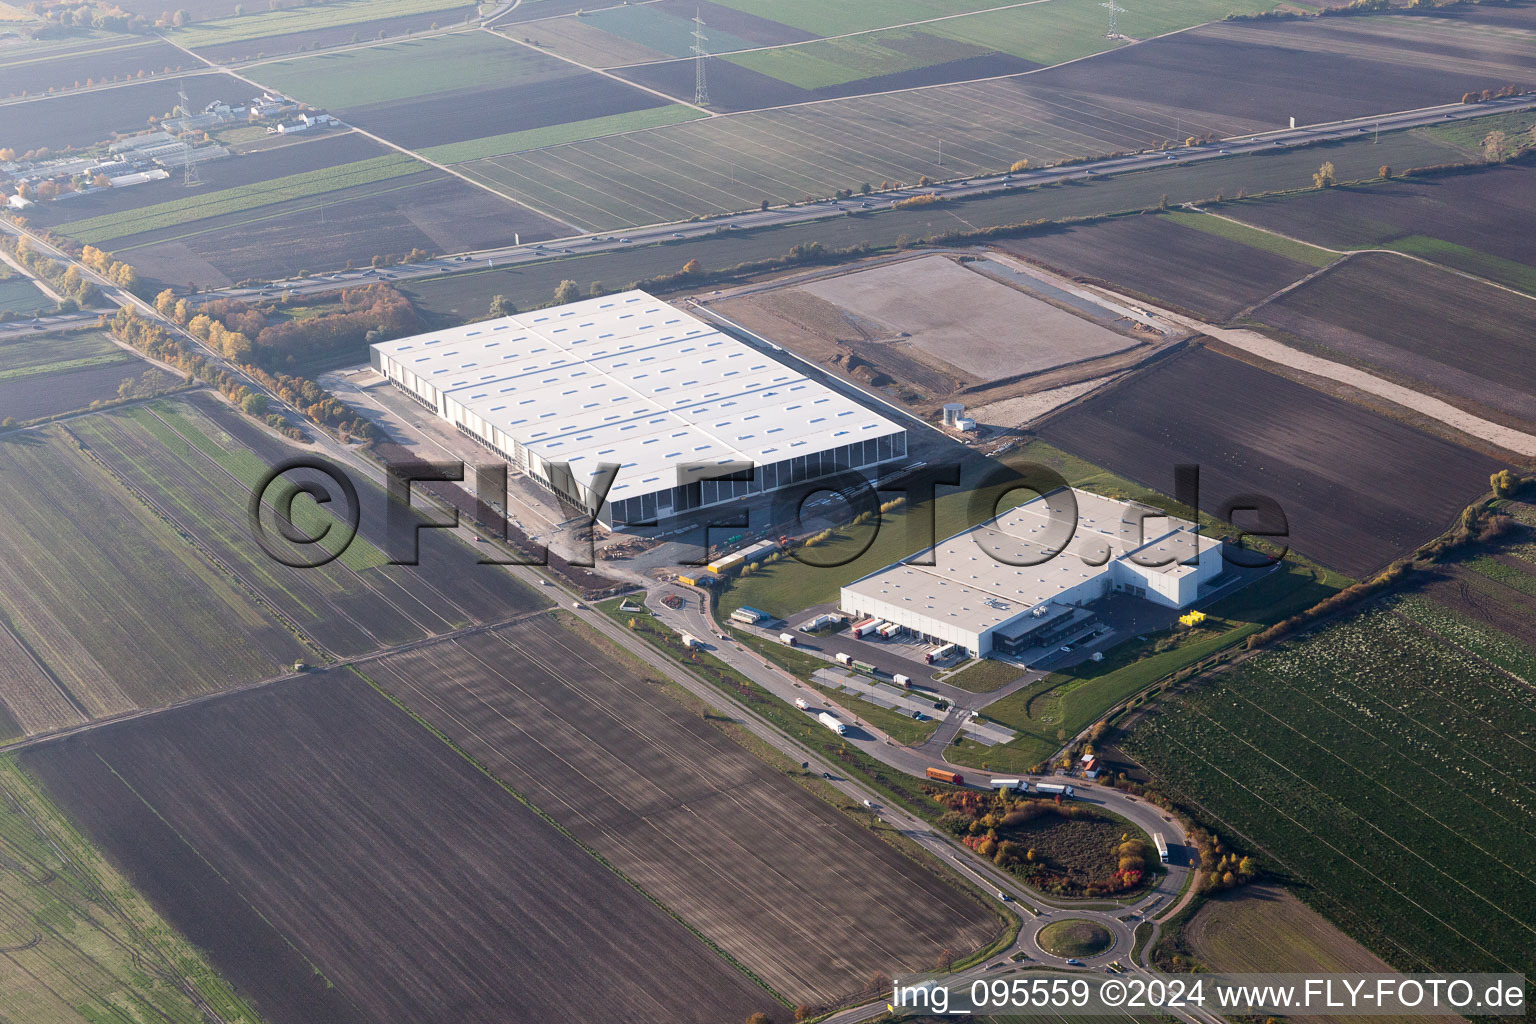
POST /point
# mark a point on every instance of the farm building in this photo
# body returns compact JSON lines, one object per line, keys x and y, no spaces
{"x":992,"y":590}
{"x":628,"y":381}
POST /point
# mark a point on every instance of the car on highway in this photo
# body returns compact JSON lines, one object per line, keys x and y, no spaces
{"x":677,"y":234}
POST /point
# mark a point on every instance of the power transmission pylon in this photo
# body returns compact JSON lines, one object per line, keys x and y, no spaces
{"x":700,"y":84}
{"x":1115,"y":10}
{"x":189,"y":175}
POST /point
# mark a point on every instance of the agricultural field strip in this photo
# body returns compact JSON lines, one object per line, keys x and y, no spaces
{"x":632,"y":855}
{"x":262,"y":24}
{"x":807,"y":42}
{"x":782,"y":130}
{"x":33,"y":698}
{"x":1462,"y":745}
{"x":234,"y":521}
{"x":34,"y":850}
{"x":319,"y":204}
{"x":241,"y":197}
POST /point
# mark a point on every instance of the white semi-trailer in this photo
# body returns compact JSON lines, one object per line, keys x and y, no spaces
{"x":831,"y":722}
{"x":1054,"y":789}
{"x":1162,"y":846}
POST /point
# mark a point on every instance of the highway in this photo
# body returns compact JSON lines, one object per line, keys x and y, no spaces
{"x":594,"y":243}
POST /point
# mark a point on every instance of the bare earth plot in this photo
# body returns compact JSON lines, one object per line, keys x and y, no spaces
{"x":338,"y":863}
{"x":199,"y":462}
{"x":86,"y":117}
{"x":338,"y":35}
{"x":1482,"y":221}
{"x":806,"y":898}
{"x":1470,"y":343}
{"x":81,"y":945}
{"x":119,"y":610}
{"x":114,"y":59}
{"x":956,"y":317}
{"x":1357,"y":489}
{"x":47,"y":374}
{"x":1172,"y":265}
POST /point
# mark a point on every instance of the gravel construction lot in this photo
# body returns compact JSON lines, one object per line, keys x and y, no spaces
{"x":1194,"y":271}
{"x":798,"y":891}
{"x":1481,"y":220}
{"x":338,"y":863}
{"x":83,"y":118}
{"x":1465,"y":341}
{"x":199,"y":462}
{"x":1358,"y":489}
{"x":956,"y":316}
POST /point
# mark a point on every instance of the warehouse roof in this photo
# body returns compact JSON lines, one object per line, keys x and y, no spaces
{"x":996,"y":571}
{"x":629,"y":379}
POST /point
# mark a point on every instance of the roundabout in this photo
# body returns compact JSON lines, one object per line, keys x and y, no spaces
{"x":1074,"y":938}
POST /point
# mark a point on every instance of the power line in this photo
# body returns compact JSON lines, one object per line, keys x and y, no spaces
{"x":700,"y":84}
{"x":1115,"y":10}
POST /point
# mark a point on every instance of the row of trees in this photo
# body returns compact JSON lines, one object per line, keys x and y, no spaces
{"x":66,"y":280}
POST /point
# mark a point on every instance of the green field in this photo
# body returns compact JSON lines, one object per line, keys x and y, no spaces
{"x":829,"y":19}
{"x":408,"y":69}
{"x":1469,"y":135}
{"x":1052,"y":711}
{"x":19,"y":295}
{"x":96,"y":230}
{"x":82,"y":946}
{"x":560,"y":134}
{"x":261,"y":22}
{"x":1044,"y":33}
{"x":1385,"y":767}
{"x":659,"y":30}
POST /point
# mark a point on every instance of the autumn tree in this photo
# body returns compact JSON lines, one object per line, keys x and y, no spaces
{"x":567,"y":291}
{"x":1494,"y":144}
{"x":1019,"y":165}
{"x":1504,"y":483}
{"x":1323,"y":177}
{"x":1384,"y":172}
{"x":165,"y":303}
{"x":502,"y":306}
{"x":693,"y":267}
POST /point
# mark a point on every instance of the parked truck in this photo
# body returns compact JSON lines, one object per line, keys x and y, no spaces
{"x":801,"y":703}
{"x":942,"y":775}
{"x":788,"y":639}
{"x":939,"y":654}
{"x":903,"y":681}
{"x":1018,"y":785}
{"x":844,"y":659}
{"x":1162,"y":846}
{"x":864,"y":666}
{"x":1055,"y":789}
{"x":863,"y":626}
{"x":888,"y":630}
{"x":832,"y":722}
{"x":689,"y":640}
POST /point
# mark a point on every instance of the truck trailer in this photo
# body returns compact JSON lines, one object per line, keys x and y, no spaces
{"x":890,"y":629}
{"x":953,"y":778}
{"x":939,"y":654}
{"x":863,"y":626}
{"x":1055,"y":789}
{"x":831,"y":722}
{"x":787,"y":639}
{"x":1162,"y":846}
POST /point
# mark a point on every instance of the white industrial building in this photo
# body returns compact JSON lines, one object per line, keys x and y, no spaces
{"x":628,"y":380}
{"x":983,"y":594}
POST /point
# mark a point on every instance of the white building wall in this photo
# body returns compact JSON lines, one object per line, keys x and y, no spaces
{"x":864,"y":606}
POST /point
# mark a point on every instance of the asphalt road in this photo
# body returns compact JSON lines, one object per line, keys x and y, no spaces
{"x":589,"y":244}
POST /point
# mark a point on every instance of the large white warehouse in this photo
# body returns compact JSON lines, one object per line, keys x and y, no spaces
{"x":630,"y":381}
{"x":983,"y":594}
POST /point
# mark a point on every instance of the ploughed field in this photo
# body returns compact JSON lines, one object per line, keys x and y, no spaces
{"x":1167,"y":262}
{"x":1357,"y":489}
{"x":47,"y":374}
{"x":109,"y":59}
{"x":1482,"y":221}
{"x":337,"y":862}
{"x":199,"y":462}
{"x":797,"y":891}
{"x":1437,"y":331}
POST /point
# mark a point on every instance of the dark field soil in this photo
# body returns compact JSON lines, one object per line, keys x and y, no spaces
{"x":339,"y":35}
{"x":86,"y":117}
{"x":793,"y":888}
{"x":310,"y":155}
{"x":392,"y":879}
{"x":345,"y":610}
{"x":741,"y":24}
{"x":68,"y":390}
{"x":1470,"y":342}
{"x":732,"y":87}
{"x":1257,"y":75}
{"x":1489,"y":210}
{"x":105,"y":64}
{"x":475,"y":113}
{"x":1487,"y":600}
{"x":432,"y":211}
{"x":1202,"y":273}
{"x":1357,"y":489}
